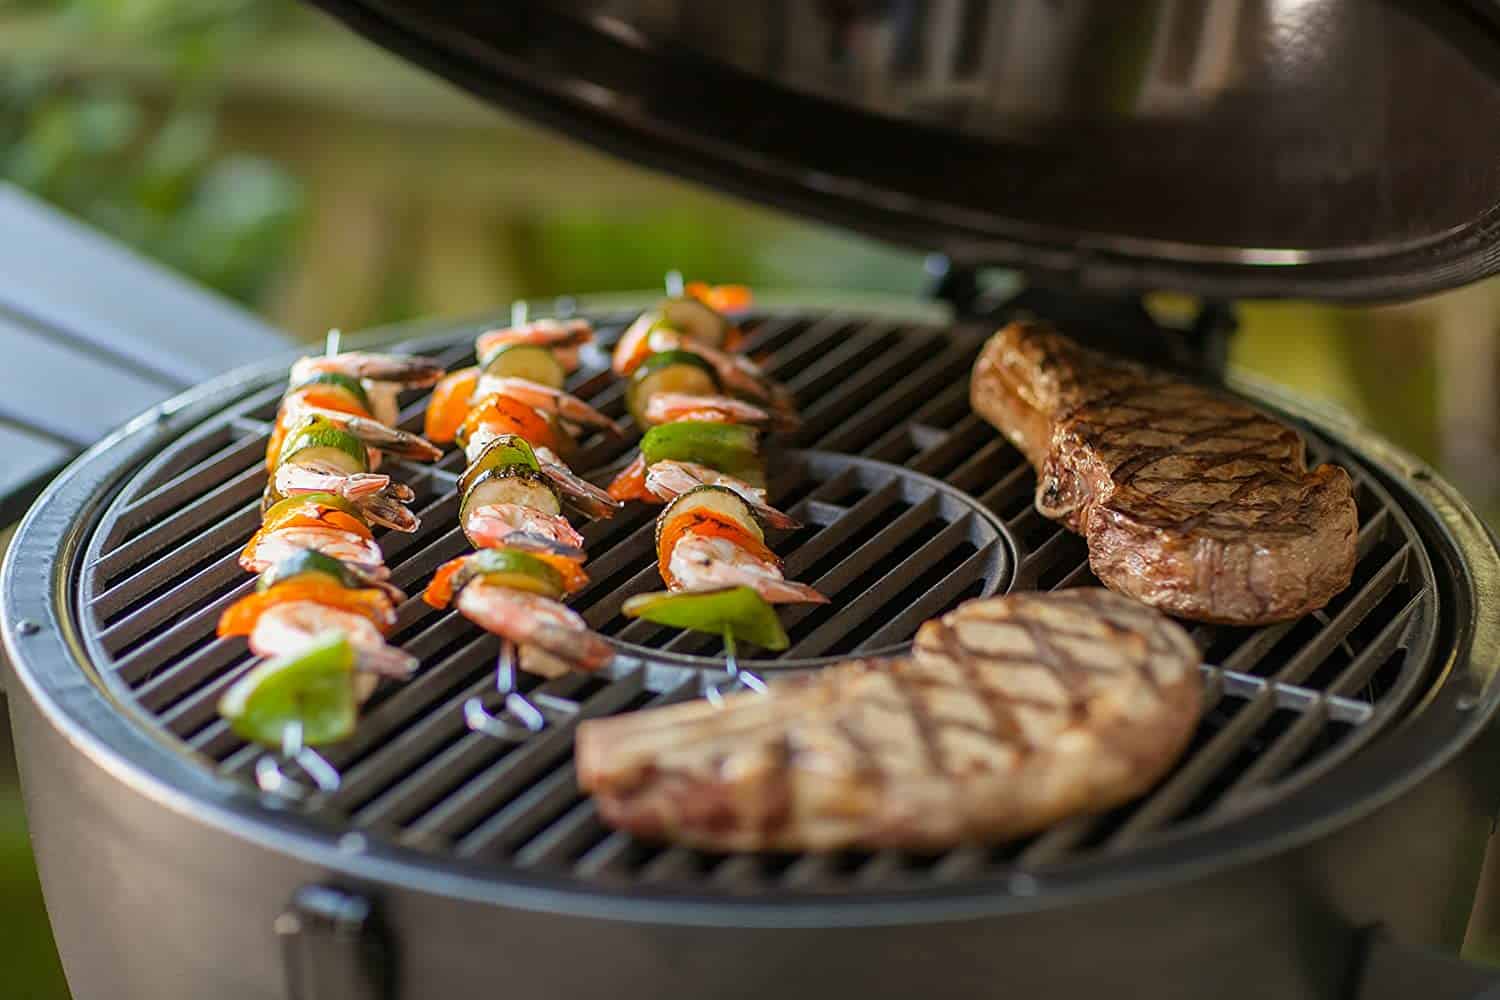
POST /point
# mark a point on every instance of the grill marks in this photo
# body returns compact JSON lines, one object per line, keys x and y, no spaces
{"x":1191,"y":501}
{"x":1374,"y":640}
{"x":1011,"y":713}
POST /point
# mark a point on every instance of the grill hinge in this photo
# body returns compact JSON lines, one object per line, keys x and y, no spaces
{"x":333,"y":947}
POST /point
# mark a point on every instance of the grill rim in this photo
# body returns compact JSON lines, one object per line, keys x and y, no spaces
{"x":37,"y":584}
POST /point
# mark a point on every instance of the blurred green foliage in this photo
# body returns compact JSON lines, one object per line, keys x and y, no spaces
{"x":148,"y":171}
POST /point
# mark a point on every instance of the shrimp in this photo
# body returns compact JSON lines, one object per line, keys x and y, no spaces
{"x":581,"y":493}
{"x":736,"y":373}
{"x":377,"y":497}
{"x":704,"y":562}
{"x":371,"y":432}
{"x":492,"y":525}
{"x":534,"y":620}
{"x":269,"y":549}
{"x":382,"y":375}
{"x":563,"y":337}
{"x":290,"y":627}
{"x":409,"y":371}
{"x":671,"y":407}
{"x":547,"y":400}
{"x":670,"y":479}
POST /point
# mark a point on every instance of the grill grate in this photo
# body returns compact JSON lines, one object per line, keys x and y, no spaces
{"x":892,"y":534}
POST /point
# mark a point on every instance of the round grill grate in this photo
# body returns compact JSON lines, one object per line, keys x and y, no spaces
{"x":913,"y":505}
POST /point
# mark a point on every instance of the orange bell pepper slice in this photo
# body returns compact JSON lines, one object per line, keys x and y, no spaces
{"x":240,"y":617}
{"x":630,"y":483}
{"x":505,"y":415}
{"x":449,"y":405}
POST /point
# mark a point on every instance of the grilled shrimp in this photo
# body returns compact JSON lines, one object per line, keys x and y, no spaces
{"x":383,"y":376}
{"x":269,"y":549}
{"x":370,"y":431}
{"x":671,"y":407}
{"x":593,"y":501}
{"x":379,"y":498}
{"x":545,"y":399}
{"x":408,"y":371}
{"x":534,"y":620}
{"x":736,"y":373}
{"x":669,"y":479}
{"x":490,"y":525}
{"x":704,"y":562}
{"x":289,"y":627}
{"x":563,"y":337}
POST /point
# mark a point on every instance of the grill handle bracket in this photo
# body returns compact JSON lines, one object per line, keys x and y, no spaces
{"x":333,"y":947}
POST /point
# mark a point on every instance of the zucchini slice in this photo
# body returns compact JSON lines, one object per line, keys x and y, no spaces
{"x":305,"y":562}
{"x":695,"y":319}
{"x":529,"y":361}
{"x":720,"y":500}
{"x":512,"y":484}
{"x":510,"y":568}
{"x":319,"y":439}
{"x":668,"y":371}
{"x":502,"y":452}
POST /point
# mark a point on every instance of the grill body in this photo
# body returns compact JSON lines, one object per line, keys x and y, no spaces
{"x":165,"y":879}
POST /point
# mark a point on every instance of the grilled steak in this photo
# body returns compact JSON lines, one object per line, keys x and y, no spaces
{"x":1011,"y":713}
{"x":1190,"y":501}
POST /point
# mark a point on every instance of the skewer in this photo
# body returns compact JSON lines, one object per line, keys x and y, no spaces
{"x":331,"y":342}
{"x":673,"y":282}
{"x":519,"y":312}
{"x":271,"y":778}
{"x":738,"y":678}
{"x":516,"y":705}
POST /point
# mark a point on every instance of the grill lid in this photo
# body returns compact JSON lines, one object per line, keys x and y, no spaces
{"x":1234,"y":148}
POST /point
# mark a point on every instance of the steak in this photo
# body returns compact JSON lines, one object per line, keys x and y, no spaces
{"x":1189,"y":500}
{"x":1010,"y":714}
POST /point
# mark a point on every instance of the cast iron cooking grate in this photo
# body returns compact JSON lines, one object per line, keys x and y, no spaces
{"x":1285,"y":703}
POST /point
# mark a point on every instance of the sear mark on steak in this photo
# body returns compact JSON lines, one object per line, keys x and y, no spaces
{"x":1189,"y":500}
{"x":1011,"y":714}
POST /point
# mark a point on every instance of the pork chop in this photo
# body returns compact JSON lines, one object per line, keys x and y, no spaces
{"x":1189,"y":500}
{"x":1011,"y":714}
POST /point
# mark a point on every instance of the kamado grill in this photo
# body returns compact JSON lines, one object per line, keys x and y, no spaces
{"x":1321,"y":837}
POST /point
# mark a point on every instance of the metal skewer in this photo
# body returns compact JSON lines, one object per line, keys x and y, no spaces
{"x":519,"y":313}
{"x":271,"y":778}
{"x":516,"y":705}
{"x":331,"y":342}
{"x":738,"y":678}
{"x":673,"y":282}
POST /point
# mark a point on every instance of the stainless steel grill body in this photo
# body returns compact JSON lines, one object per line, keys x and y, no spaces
{"x":1325,"y":790}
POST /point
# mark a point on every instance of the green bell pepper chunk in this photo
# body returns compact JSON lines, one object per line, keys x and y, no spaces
{"x":314,"y":687}
{"x":728,"y":448}
{"x":738,"y":610}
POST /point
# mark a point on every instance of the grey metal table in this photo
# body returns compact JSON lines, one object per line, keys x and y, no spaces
{"x":92,"y":334}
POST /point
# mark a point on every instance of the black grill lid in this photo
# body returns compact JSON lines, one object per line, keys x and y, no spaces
{"x":1232,"y":148}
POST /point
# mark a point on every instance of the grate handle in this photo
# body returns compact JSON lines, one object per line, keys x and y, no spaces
{"x":333,"y":947}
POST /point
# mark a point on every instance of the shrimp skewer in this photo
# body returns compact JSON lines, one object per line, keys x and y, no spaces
{"x":323,"y":601}
{"x":511,"y":429}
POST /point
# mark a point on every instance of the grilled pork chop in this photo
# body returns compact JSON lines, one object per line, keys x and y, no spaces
{"x":1012,"y":713}
{"x":1190,"y":501}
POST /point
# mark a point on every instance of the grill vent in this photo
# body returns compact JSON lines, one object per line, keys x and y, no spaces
{"x":913,"y":504}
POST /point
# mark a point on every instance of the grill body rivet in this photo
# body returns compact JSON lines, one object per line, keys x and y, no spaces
{"x":27,"y":627}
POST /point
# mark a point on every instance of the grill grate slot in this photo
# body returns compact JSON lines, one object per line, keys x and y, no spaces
{"x":892,"y":548}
